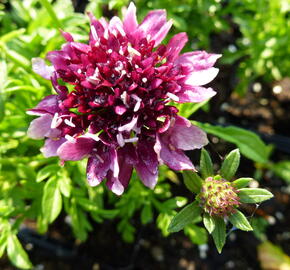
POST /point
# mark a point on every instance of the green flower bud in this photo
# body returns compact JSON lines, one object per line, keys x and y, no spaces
{"x":218,"y":197}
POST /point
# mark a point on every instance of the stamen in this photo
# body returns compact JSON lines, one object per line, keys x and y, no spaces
{"x":132,"y":51}
{"x":173,"y":97}
{"x":120,"y":139}
{"x":144,"y":80}
{"x":69,"y":122}
{"x":138,"y":103}
{"x":134,"y":139}
{"x":56,"y":121}
{"x":70,"y":138}
{"x":92,"y":136}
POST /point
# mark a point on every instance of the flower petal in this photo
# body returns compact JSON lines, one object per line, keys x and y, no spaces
{"x":50,"y":147}
{"x":174,"y":158}
{"x":97,"y":168}
{"x":130,"y":23}
{"x":201,"y":77}
{"x":185,"y":136}
{"x":175,"y":45}
{"x":40,"y":127}
{"x":147,"y":165}
{"x":48,"y":105}
{"x":41,"y":68}
{"x":154,"y":26}
{"x":118,"y":184}
{"x":76,"y":149}
{"x":195,"y":94}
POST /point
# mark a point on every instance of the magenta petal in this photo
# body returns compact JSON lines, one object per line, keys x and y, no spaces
{"x":195,"y":94}
{"x":155,"y":26}
{"x":50,"y":147}
{"x":118,"y":184}
{"x":147,"y":155}
{"x":175,"y":45}
{"x":161,"y":34}
{"x":147,"y":165}
{"x":174,"y":158}
{"x":185,"y":136}
{"x":201,"y":77}
{"x":39,"y":66}
{"x":130,"y":23}
{"x":40,"y":127}
{"x":68,"y":37}
{"x":149,"y":179}
{"x":97,"y":168}
{"x":48,"y":105}
{"x":76,"y":149}
{"x":198,"y":60}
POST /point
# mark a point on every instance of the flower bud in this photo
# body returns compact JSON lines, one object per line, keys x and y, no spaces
{"x":218,"y":197}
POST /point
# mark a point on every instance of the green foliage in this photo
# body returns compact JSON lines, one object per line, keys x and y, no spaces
{"x":249,"y":144}
{"x":33,"y":187}
{"x":230,"y":164}
{"x":219,"y":233}
{"x":206,"y":166}
{"x":240,"y":221}
{"x":254,"y":195}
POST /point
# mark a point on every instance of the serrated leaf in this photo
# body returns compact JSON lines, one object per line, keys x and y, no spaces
{"x":51,"y":200}
{"x":146,"y":214}
{"x":254,"y":195}
{"x":249,"y":143}
{"x":206,"y":166}
{"x":16,"y":253}
{"x":242,"y":182}
{"x":192,"y":181}
{"x":230,"y":164}
{"x":46,"y":172}
{"x":240,"y":221}
{"x":187,"y":215}
{"x":219,"y":234}
{"x":209,"y":222}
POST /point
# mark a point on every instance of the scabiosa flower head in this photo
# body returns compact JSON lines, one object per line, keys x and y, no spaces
{"x":117,"y":110}
{"x":218,"y":197}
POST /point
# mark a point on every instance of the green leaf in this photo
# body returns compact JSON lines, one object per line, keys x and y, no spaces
{"x":282,"y":169}
{"x":242,"y":182}
{"x":209,"y":222}
{"x":46,"y":172}
{"x":16,"y":253}
{"x":192,"y":181}
{"x":254,"y":195}
{"x":249,"y":143}
{"x":187,"y":215}
{"x":3,"y":242}
{"x":240,"y":221}
{"x":219,"y":234}
{"x":146,"y":214}
{"x":206,"y":166}
{"x":196,"y":234}
{"x":51,"y":200}
{"x":2,"y":107}
{"x":230,"y":164}
{"x":65,"y":186}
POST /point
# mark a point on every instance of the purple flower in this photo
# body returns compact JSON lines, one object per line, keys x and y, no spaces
{"x":117,"y":110}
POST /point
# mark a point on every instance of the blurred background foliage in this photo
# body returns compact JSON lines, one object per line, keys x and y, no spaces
{"x":33,"y":188}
